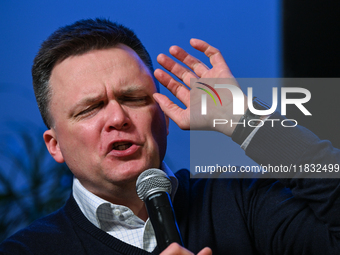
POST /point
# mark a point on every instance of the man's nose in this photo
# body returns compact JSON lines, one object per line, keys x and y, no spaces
{"x":116,"y":117}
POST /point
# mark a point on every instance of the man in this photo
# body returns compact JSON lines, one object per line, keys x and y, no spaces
{"x":95,"y":90}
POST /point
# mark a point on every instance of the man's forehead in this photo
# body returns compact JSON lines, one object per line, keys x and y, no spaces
{"x":86,"y":72}
{"x":90,"y":59}
{"x":120,"y":90}
{"x":77,"y":67}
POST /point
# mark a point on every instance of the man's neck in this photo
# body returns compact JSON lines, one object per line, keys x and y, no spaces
{"x":125,"y":195}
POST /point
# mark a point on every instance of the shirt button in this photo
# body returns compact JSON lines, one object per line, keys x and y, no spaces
{"x":116,"y":212}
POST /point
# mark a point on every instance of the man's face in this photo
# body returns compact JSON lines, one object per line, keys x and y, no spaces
{"x":108,"y":128}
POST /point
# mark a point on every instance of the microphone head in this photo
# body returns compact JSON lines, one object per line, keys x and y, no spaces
{"x":151,"y":181}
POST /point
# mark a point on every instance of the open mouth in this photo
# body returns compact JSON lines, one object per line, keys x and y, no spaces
{"x":121,"y":146}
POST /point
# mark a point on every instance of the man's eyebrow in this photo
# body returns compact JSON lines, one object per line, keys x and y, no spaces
{"x":89,"y":100}
{"x":86,"y":101}
{"x":95,"y":98}
{"x":131,"y":90}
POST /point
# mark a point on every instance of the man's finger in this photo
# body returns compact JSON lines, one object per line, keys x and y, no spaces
{"x":173,"y":111}
{"x":175,"y":87}
{"x":211,"y":52}
{"x":184,"y":74}
{"x":193,"y":63}
{"x":205,"y":251}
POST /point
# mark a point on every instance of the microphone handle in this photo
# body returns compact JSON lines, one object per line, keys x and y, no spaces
{"x":163,"y":219}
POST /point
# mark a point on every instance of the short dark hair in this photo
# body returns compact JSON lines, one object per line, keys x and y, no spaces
{"x":76,"y":39}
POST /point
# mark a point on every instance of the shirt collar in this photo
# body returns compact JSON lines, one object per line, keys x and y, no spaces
{"x":92,"y":206}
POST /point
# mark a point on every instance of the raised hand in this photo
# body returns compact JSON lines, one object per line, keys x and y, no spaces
{"x":196,"y":69}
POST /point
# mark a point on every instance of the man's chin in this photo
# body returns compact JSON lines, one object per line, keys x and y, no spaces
{"x":127,"y":173}
{"x":130,"y":169}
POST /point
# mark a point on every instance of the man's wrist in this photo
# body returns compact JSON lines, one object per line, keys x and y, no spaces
{"x":248,"y":122}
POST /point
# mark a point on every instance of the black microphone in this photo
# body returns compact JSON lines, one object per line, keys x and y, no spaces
{"x":153,"y":187}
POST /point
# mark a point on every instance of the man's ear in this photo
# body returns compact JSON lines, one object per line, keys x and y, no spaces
{"x":167,"y":121}
{"x":52,"y":145}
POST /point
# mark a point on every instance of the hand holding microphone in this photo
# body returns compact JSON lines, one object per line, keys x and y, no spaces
{"x":153,"y":187}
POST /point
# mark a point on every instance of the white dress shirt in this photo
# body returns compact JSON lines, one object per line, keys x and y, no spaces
{"x":118,"y":220}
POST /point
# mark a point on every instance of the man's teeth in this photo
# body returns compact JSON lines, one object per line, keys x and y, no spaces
{"x":121,"y":147}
